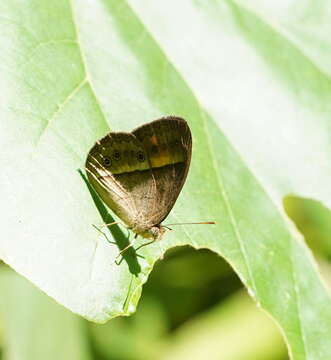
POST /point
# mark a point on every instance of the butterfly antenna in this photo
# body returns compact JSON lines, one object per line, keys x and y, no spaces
{"x":192,"y":223}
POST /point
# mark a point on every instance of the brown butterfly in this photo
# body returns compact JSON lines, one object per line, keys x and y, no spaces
{"x":139,"y":175}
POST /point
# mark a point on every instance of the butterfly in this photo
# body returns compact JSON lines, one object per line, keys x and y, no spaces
{"x":140,"y":174}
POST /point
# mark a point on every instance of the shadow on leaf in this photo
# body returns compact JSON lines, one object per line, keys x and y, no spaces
{"x":122,"y":241}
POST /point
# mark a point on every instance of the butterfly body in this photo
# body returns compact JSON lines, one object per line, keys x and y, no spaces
{"x":139,"y":175}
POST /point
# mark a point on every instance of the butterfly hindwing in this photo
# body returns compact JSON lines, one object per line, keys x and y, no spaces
{"x":113,"y":165}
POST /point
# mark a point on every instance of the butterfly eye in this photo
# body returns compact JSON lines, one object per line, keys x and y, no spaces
{"x":116,"y":155}
{"x":106,"y":161}
{"x":140,"y":156}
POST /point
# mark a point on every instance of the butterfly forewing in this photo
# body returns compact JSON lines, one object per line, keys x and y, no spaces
{"x":168,"y":145}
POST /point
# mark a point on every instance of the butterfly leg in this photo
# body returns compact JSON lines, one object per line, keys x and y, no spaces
{"x":112,"y":223}
{"x":127,"y":247}
{"x":106,"y":225}
{"x":147,"y":243}
{"x":100,"y":231}
{"x":124,"y":250}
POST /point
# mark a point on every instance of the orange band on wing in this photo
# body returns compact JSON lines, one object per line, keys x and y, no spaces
{"x":153,"y":140}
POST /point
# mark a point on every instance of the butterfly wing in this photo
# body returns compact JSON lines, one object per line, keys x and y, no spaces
{"x":168,"y":145}
{"x":139,"y":175}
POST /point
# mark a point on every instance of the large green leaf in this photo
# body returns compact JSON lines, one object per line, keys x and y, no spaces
{"x":253,"y":84}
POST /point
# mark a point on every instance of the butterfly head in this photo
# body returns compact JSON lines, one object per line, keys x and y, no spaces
{"x":155,"y":232}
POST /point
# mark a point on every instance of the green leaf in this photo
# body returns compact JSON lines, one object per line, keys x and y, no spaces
{"x":254,"y":86}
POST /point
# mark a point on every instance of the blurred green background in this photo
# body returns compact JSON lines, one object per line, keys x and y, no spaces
{"x":193,"y":307}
